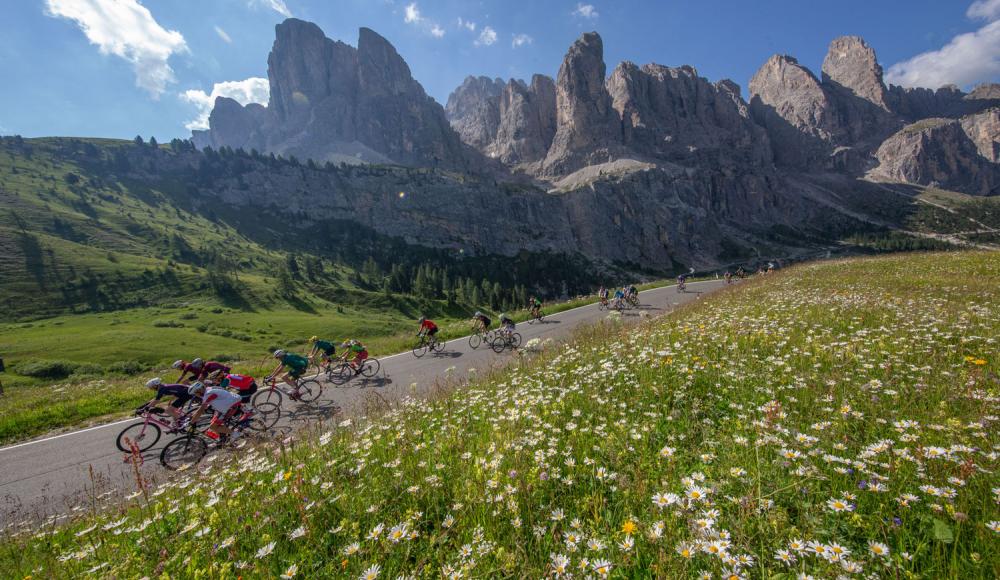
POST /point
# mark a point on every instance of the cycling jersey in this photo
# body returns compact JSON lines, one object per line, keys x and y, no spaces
{"x":428,"y":325}
{"x":220,"y":400}
{"x":325,"y":347}
{"x":295,"y":362}
{"x":358,"y":347}
{"x":190,"y":368}
{"x":507,"y":322}
{"x":485,"y":320}
{"x":619,"y":294}
{"x":240,"y":382}
{"x":180,"y":392}
{"x":211,"y":368}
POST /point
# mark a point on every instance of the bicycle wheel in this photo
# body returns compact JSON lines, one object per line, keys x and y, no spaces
{"x":475,"y":340}
{"x":269,"y":395}
{"x":340,"y":374}
{"x":437,"y":346}
{"x":420,"y":350}
{"x":499,"y":343}
{"x":310,"y":390}
{"x":183,"y":451}
{"x":142,"y":434}
{"x":515,"y":340}
{"x":264,"y":417}
{"x":371,"y":367}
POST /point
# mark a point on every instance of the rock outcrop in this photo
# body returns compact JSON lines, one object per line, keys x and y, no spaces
{"x":984,"y":130}
{"x":851,"y":65}
{"x":332,"y":102}
{"x":473,"y":110}
{"x":940,"y":153}
{"x":587,"y":129}
{"x":527,"y":121}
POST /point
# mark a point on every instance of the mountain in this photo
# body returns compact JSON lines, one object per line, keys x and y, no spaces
{"x":333,"y":102}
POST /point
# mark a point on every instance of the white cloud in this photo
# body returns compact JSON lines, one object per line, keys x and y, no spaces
{"x":412,"y":14}
{"x":222,"y":34}
{"x":967,"y":59}
{"x":278,"y":6}
{"x":251,"y":90}
{"x":487,"y":37}
{"x":127,"y":30}
{"x":466,"y":24}
{"x":988,"y":10}
{"x":520,"y":40}
{"x":586,"y":11}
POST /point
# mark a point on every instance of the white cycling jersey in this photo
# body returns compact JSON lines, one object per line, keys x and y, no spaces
{"x":220,"y":400}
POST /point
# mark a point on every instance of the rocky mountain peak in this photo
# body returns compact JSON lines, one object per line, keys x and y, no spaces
{"x":474,"y":111}
{"x":851,"y":64}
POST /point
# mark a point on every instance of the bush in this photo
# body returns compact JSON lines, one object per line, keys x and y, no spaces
{"x":188,"y":316}
{"x":47,"y":369}
{"x":84,"y":369}
{"x":168,"y":324}
{"x":224,"y":358}
{"x":127,"y":367}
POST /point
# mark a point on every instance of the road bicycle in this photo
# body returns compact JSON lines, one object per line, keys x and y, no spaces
{"x":146,"y":433}
{"x":633,"y":300}
{"x":428,"y":343}
{"x":480,"y":336}
{"x":506,"y":340}
{"x":681,"y":286}
{"x":188,"y":449}
{"x":274,"y":392}
{"x":340,"y":371}
{"x":535,"y":316}
{"x":604,"y":304}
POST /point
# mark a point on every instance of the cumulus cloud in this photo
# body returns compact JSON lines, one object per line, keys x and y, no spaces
{"x":466,"y":24}
{"x":586,"y":11}
{"x":251,"y":90}
{"x":222,"y":34}
{"x":412,"y":15}
{"x":520,"y":40}
{"x":437,"y":31}
{"x":988,"y":10}
{"x":967,"y":59}
{"x":127,"y":30}
{"x":487,"y":37}
{"x":278,"y":6}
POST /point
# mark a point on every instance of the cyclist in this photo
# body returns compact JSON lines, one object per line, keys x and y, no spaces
{"x":193,"y":368}
{"x":178,"y":391}
{"x":481,"y":322}
{"x":244,"y":385}
{"x":619,"y":296}
{"x":681,"y":279}
{"x":224,"y":404}
{"x":729,"y":277}
{"x":297,"y":365}
{"x":506,"y":324}
{"x":322,"y":348}
{"x":535,"y":306}
{"x":359,"y":351}
{"x":633,"y":292}
{"x":212,"y":371}
{"x":427,"y":327}
{"x":603,"y":295}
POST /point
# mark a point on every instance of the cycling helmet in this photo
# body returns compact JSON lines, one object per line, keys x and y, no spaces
{"x":478,"y":313}
{"x":197,"y":363}
{"x":422,"y":319}
{"x":178,"y":364}
{"x":153,"y":383}
{"x":196,"y":388}
{"x":314,"y":339}
{"x":279,"y":353}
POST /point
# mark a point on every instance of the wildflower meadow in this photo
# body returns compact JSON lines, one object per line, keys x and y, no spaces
{"x":837,"y":419}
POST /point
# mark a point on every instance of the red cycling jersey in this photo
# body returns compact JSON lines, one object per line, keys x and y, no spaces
{"x":428,"y":325}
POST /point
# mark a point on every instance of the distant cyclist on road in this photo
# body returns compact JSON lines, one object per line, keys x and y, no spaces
{"x":324,"y":349}
{"x":506,"y":324}
{"x":535,"y":306}
{"x":212,"y":371}
{"x":224,"y":404}
{"x":358,"y":350}
{"x":619,"y":296}
{"x":602,"y":293}
{"x":178,"y":391}
{"x":481,"y":322}
{"x":681,"y":282}
{"x":427,"y":328}
{"x":297,"y":365}
{"x":729,"y":277}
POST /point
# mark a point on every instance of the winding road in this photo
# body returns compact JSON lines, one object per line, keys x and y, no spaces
{"x":81,"y":470}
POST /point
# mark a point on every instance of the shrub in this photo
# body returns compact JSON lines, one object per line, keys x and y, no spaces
{"x":224,"y":358}
{"x":188,"y":316}
{"x":168,"y":324}
{"x":47,"y":369}
{"x":127,"y":367}
{"x":84,"y":369}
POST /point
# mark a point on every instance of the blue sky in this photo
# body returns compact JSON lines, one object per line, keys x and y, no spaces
{"x":117,"y":68}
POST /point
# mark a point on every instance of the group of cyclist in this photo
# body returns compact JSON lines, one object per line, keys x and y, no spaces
{"x":628,"y":293}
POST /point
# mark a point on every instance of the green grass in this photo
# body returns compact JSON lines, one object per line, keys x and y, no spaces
{"x":847,"y":405}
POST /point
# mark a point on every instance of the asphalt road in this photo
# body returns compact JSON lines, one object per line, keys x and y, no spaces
{"x":83,"y":469}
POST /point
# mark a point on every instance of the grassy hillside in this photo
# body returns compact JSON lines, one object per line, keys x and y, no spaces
{"x":835,"y":419}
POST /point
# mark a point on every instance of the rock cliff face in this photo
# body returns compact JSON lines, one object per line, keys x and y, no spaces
{"x":984,"y":130}
{"x":527,"y":121}
{"x":939,"y":152}
{"x":333,"y":102}
{"x":587,"y":129}
{"x":473,"y":110}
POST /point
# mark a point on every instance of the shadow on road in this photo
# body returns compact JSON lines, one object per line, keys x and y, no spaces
{"x":447,"y":354}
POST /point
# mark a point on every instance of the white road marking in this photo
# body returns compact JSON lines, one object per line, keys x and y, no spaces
{"x":106,"y":425}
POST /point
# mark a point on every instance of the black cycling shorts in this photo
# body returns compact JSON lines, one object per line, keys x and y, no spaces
{"x":179,"y":402}
{"x":246,"y":393}
{"x":432,"y":331}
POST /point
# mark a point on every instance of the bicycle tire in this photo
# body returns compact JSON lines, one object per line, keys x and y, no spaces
{"x":515,"y":340}
{"x":371,"y":367}
{"x":499,"y":344}
{"x":145,"y":440}
{"x":188,"y":449}
{"x":267,"y":396}
{"x":309,"y":390}
{"x":475,"y":340}
{"x":437,"y":346}
{"x":420,"y":350}
{"x":264,"y":417}
{"x":340,"y":375}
